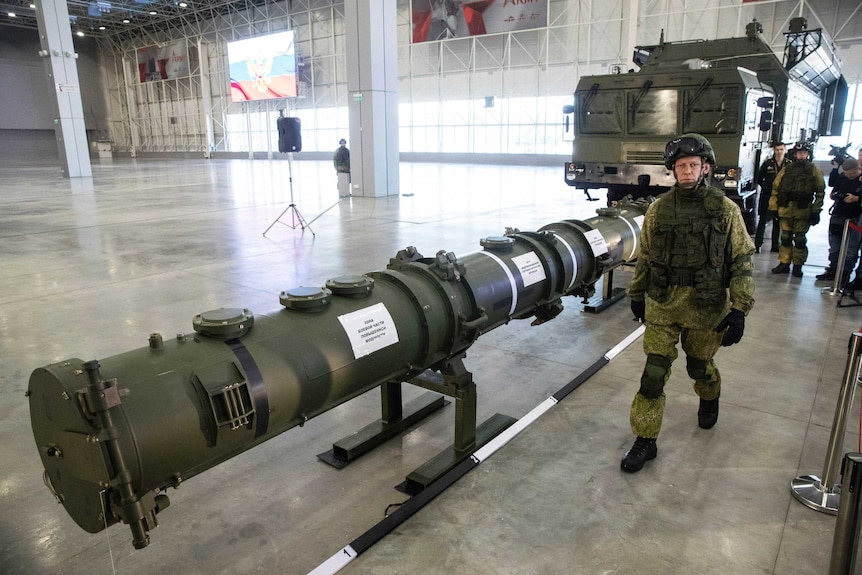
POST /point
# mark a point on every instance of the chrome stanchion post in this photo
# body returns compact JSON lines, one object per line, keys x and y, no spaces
{"x":842,"y":256}
{"x":823,"y":494}
{"x":845,"y":542}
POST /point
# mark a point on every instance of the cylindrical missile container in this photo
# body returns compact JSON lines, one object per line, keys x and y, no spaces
{"x":113,"y":434}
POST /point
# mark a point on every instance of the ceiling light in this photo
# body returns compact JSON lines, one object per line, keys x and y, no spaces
{"x":79,"y":33}
{"x":125,"y":21}
{"x":183,"y":5}
{"x":11,"y":14}
{"x":153,"y":12}
{"x":33,"y":6}
{"x":101,"y":27}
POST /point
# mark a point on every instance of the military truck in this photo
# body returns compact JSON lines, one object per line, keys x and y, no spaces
{"x":734,"y":91}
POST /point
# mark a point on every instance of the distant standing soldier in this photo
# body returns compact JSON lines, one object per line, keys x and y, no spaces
{"x":341,"y":161}
{"x":695,"y":252}
{"x":797,"y":198}
{"x":765,"y":178}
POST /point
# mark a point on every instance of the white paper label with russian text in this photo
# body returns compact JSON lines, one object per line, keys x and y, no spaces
{"x":530,"y":267}
{"x":597,"y":242}
{"x":369,"y":329}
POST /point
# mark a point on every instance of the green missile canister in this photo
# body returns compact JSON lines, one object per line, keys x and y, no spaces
{"x":114,"y":434}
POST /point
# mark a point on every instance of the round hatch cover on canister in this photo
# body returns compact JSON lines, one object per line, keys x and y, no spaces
{"x":305,"y":298}
{"x":225,"y":322}
{"x":497,"y":243}
{"x":357,"y":286}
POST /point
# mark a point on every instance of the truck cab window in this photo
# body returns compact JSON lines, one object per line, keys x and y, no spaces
{"x":652,"y":112}
{"x":600,"y":112}
{"x":711,"y":111}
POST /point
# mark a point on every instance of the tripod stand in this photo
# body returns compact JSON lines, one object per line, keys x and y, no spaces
{"x":296,"y":218}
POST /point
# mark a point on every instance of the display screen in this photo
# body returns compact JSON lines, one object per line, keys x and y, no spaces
{"x":262,"y":68}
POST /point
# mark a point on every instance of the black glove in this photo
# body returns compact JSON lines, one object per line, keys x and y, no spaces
{"x":814,"y":219}
{"x":772,"y":214}
{"x":734,"y":324}
{"x":639,"y":309}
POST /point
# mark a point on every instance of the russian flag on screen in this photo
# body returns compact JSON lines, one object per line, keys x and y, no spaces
{"x":263,"y":67}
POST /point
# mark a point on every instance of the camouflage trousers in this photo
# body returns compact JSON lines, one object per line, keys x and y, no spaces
{"x":794,"y":243}
{"x":699,"y":345}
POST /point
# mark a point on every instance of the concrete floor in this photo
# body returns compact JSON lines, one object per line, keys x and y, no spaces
{"x":90,"y":268}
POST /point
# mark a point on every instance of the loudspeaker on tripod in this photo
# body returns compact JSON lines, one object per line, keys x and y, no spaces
{"x":289,"y":136}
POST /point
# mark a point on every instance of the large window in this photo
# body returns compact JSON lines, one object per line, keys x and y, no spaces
{"x":509,"y":126}
{"x":252,"y":130}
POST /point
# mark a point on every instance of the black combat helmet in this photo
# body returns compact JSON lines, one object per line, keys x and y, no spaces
{"x":807,"y":146}
{"x":688,"y":145}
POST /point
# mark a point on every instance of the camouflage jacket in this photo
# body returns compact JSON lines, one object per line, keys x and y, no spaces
{"x":798,"y":191}
{"x":709,"y":229}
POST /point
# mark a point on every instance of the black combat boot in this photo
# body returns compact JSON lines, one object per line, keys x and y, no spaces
{"x":707,"y":414}
{"x":797,"y":270}
{"x":642,"y":451}
{"x":827,"y":275}
{"x":781,"y":269}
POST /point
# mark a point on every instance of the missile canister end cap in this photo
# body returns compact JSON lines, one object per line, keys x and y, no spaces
{"x":305,"y":298}
{"x":225,"y":322}
{"x":497,"y":243}
{"x":355,"y":286}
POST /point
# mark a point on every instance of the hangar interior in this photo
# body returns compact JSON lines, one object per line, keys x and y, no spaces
{"x":93,"y":266}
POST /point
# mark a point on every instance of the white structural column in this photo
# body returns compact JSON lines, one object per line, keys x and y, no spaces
{"x":372,"y":83}
{"x":206,"y":98}
{"x":131,"y":108}
{"x":61,"y":63}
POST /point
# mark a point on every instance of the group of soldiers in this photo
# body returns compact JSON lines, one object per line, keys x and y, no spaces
{"x":693,"y":281}
{"x":792,"y":191}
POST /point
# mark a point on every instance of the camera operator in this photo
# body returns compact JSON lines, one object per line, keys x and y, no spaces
{"x":846,"y":194}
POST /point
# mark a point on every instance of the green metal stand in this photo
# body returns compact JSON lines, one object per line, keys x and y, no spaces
{"x":394,"y":420}
{"x":454,"y":381}
{"x":609,"y":296}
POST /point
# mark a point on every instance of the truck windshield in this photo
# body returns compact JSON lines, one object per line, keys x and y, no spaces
{"x":714,"y":110}
{"x":600,"y":112}
{"x":652,"y":112}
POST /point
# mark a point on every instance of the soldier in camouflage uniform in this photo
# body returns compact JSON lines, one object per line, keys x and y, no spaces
{"x":797,"y":199}
{"x":695,"y":252}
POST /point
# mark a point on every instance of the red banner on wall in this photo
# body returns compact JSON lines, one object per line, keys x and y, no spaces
{"x":442,"y":19}
{"x":164,"y":62}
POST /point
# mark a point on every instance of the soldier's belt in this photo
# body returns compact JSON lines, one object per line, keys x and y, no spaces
{"x":681,"y":280}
